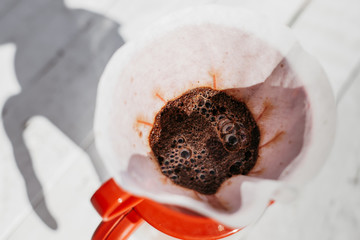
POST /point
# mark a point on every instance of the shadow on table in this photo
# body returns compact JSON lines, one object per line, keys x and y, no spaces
{"x":60,"y":55}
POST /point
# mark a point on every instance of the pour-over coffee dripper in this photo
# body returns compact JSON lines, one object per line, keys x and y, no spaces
{"x":123,"y":213}
{"x":249,"y":58}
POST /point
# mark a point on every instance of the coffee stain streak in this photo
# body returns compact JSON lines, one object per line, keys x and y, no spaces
{"x":267,"y":107}
{"x":161,"y":98}
{"x":262,"y":113}
{"x":274,"y":139}
{"x":196,"y":195}
{"x":145,"y":123}
{"x":257,"y":172}
{"x":214,"y":81}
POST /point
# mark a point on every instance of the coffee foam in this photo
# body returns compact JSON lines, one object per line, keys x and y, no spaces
{"x":203,"y":138}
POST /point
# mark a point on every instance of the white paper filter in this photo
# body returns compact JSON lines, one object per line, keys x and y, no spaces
{"x":254,"y":60}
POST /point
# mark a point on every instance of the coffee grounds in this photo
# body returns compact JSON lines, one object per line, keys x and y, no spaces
{"x":203,"y":138}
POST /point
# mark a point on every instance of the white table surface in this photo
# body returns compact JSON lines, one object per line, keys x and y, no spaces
{"x":50,"y":50}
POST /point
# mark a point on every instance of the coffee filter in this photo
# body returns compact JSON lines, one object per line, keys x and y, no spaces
{"x":250,"y":58}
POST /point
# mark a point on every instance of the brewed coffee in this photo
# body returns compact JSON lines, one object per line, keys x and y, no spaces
{"x":204,"y":137}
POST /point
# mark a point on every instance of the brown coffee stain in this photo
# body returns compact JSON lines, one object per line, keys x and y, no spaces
{"x":257,"y":172}
{"x":214,"y":81}
{"x":144,"y":123}
{"x":268,"y":107}
{"x":160,"y":97}
{"x":141,"y":122}
{"x":275,"y":139}
{"x":140,"y":125}
{"x":197,"y":196}
{"x":214,"y":74}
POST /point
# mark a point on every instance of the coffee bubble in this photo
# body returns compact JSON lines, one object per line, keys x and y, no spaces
{"x":228,"y":128}
{"x":202,"y":176}
{"x":185,"y":153}
{"x":231,"y":139}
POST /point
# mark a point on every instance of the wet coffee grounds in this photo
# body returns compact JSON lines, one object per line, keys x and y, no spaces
{"x":204,"y":137}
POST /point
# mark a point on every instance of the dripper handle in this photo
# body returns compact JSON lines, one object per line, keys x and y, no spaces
{"x":116,"y":208}
{"x":123,"y":213}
